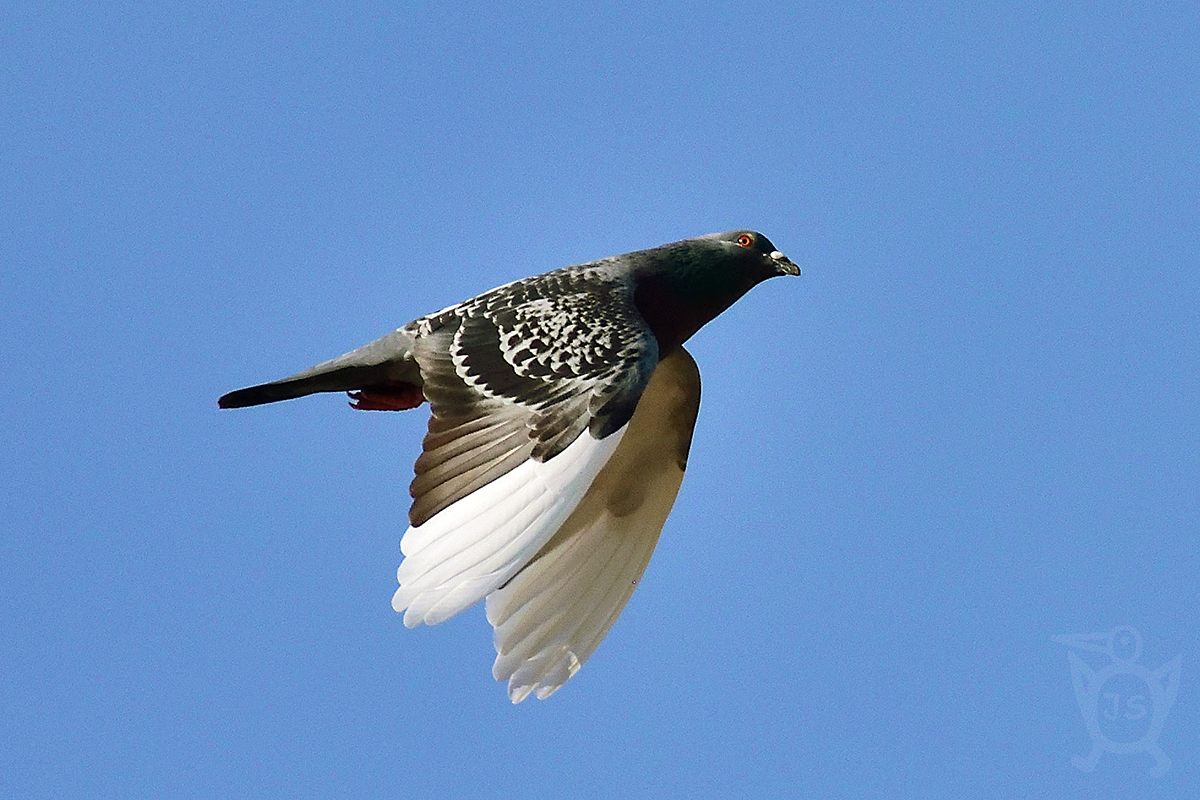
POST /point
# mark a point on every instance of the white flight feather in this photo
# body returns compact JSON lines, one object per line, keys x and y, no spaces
{"x":553,"y":614}
{"x":474,"y":545}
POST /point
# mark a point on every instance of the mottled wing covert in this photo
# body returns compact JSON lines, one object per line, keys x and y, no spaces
{"x":519,"y":372}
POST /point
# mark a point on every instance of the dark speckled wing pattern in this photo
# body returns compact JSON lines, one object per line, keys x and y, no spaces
{"x":520,"y":371}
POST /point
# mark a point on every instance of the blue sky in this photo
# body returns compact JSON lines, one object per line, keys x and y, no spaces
{"x":969,"y":427}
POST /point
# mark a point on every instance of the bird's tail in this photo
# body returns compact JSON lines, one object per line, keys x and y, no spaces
{"x":382,"y":375}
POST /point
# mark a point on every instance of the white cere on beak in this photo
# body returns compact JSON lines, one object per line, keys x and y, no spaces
{"x":784,"y":263}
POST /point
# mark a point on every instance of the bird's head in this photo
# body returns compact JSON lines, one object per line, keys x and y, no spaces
{"x":719,"y":264}
{"x":751,"y":252}
{"x":685,"y":284}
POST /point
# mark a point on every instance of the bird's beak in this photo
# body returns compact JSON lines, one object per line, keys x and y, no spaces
{"x":784,"y":264}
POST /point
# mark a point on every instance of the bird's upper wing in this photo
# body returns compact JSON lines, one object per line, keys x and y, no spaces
{"x":531,"y":386}
{"x":550,"y":617}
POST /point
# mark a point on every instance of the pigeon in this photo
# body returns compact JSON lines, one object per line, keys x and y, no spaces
{"x":562,"y":414}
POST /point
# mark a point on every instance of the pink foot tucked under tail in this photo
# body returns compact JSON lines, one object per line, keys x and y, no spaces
{"x":398,"y":397}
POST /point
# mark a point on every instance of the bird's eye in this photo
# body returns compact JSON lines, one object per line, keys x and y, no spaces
{"x":745,"y":240}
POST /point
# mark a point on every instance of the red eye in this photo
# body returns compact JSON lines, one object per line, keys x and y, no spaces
{"x":745,"y":240}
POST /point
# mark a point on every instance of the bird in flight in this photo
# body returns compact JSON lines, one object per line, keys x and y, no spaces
{"x":562,"y":412}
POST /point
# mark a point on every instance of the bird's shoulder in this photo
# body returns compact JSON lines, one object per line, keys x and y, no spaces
{"x":520,"y":371}
{"x":577,"y":322}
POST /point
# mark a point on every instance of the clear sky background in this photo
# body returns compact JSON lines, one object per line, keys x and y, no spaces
{"x":972,"y":425}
